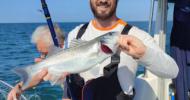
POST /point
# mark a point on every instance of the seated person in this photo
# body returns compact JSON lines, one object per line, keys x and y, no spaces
{"x":41,"y":37}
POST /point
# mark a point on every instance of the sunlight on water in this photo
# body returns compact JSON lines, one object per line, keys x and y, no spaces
{"x":2,"y":95}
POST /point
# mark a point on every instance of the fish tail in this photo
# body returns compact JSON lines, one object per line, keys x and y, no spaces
{"x":24,"y":74}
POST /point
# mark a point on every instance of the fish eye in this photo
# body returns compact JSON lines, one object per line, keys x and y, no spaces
{"x":102,"y":41}
{"x":111,"y":33}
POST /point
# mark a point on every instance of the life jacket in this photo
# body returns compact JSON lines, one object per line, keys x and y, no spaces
{"x":106,"y":87}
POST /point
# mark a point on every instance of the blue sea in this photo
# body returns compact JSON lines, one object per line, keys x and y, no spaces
{"x":17,"y":50}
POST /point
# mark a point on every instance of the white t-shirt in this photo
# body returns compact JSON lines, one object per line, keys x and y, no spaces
{"x":155,"y":60}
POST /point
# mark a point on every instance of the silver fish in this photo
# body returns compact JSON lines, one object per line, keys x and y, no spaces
{"x":79,"y":57}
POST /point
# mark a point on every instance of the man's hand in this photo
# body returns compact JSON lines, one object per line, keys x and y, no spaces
{"x":15,"y":93}
{"x":44,"y":75}
{"x":53,"y":78}
{"x":38,"y":60}
{"x":132,"y":46}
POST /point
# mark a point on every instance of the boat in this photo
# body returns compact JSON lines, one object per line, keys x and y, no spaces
{"x":148,"y":86}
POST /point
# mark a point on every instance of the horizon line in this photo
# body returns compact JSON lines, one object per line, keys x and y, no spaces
{"x":70,"y":22}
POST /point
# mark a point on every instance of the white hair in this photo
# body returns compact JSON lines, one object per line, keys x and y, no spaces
{"x":43,"y":33}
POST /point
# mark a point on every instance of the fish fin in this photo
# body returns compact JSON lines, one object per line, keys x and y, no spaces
{"x":25,"y":76}
{"x":55,"y":80}
{"x":53,"y":50}
{"x":76,"y":43}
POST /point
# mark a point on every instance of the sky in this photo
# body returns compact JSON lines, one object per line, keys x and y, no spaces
{"x":22,"y":11}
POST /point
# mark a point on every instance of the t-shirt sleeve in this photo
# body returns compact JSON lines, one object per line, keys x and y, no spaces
{"x":155,"y":59}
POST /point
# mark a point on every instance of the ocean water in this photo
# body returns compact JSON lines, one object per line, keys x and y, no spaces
{"x":17,"y":50}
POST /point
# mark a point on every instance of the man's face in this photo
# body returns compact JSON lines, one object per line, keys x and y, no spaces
{"x":103,"y":9}
{"x":42,"y":47}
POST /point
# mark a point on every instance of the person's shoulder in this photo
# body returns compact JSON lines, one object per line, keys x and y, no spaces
{"x":75,"y":31}
{"x":136,"y":30}
{"x":77,"y":28}
{"x":139,"y":33}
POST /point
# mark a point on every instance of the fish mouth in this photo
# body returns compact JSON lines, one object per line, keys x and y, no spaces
{"x":106,"y":49}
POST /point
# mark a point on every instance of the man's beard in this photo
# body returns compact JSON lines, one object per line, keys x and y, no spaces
{"x":103,"y":16}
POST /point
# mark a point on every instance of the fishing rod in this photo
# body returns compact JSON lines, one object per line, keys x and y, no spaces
{"x":49,"y":22}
